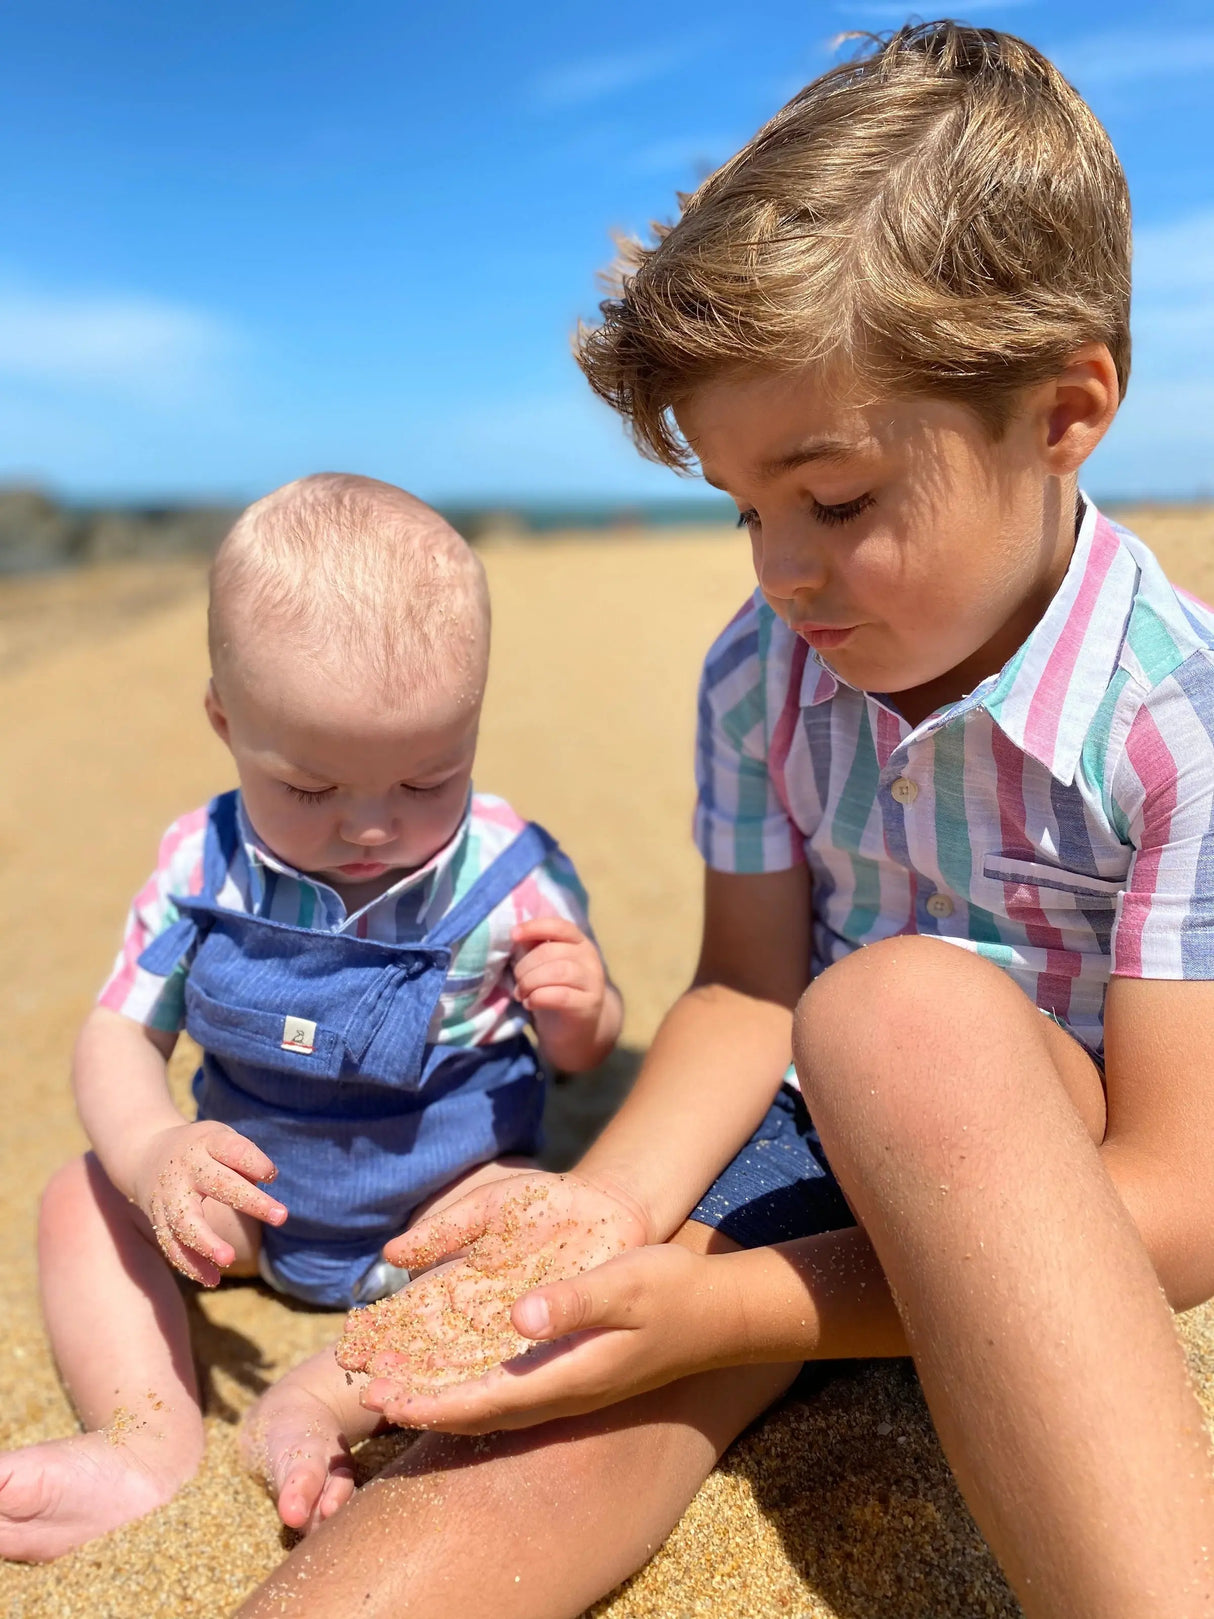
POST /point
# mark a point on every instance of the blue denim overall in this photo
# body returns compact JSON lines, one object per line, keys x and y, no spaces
{"x":315,"y":1046}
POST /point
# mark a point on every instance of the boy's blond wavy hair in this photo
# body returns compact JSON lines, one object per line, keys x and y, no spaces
{"x":944,"y":214}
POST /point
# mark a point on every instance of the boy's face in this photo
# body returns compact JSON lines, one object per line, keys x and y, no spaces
{"x":335,"y":786}
{"x":903,"y":544}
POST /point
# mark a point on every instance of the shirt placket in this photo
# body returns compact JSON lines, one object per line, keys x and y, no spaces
{"x":903,"y":784}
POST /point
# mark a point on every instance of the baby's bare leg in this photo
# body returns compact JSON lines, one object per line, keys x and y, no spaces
{"x":118,"y":1328}
{"x":299,"y":1433}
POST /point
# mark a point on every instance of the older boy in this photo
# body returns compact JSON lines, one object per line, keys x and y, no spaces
{"x":956,"y":777}
{"x":357,"y":941}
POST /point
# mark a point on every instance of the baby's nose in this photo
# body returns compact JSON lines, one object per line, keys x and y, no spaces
{"x":368,"y":831}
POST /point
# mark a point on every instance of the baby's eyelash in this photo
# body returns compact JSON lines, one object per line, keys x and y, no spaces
{"x":305,"y":797}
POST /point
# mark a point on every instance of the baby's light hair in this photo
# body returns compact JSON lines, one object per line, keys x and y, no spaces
{"x":944,"y":215}
{"x":361,"y":575}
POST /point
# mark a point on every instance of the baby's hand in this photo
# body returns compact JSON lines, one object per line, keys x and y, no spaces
{"x":561,"y":981}
{"x":181,"y":1166}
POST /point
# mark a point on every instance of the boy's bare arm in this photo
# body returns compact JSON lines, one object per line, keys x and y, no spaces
{"x":719,"y":1055}
{"x":1160,"y":1091}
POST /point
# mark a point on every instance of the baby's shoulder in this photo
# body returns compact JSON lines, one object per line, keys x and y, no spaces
{"x":179,"y":858}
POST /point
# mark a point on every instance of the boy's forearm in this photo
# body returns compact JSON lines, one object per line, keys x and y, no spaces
{"x":708,"y":1079}
{"x":818,"y":1298}
{"x":121,"y":1088}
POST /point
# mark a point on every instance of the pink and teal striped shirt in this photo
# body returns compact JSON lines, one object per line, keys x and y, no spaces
{"x":477,"y":1004}
{"x":1059,"y":820}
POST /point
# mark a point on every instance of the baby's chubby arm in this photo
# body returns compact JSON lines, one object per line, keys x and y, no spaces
{"x":560,"y":978}
{"x":156,"y":1158}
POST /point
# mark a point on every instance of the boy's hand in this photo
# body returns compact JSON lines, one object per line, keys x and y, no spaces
{"x":561,"y":981}
{"x":180,"y":1166}
{"x":454,"y":1323}
{"x":643,"y":1319}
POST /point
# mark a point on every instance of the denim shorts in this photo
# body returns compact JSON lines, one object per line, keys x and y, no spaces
{"x":779,"y":1186}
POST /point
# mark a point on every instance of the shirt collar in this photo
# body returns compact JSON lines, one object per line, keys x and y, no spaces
{"x":1045,"y":697}
{"x":260,"y":859}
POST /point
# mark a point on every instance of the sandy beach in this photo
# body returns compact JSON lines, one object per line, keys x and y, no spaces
{"x":840,"y":1503}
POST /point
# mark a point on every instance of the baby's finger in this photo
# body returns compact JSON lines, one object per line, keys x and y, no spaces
{"x":529,"y":976}
{"x":187,"y":1260}
{"x":540,"y":928}
{"x":189,"y":1226}
{"x":555,"y":998}
{"x":242,"y":1155}
{"x":227,"y":1186}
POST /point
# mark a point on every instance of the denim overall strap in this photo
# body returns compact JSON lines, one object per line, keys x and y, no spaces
{"x":516,"y":862}
{"x":219,"y":846}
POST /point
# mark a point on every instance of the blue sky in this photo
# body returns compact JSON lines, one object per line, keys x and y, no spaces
{"x":246,"y":239}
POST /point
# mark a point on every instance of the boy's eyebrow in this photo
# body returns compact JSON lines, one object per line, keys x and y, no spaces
{"x":822,"y":449}
{"x":825,"y":449}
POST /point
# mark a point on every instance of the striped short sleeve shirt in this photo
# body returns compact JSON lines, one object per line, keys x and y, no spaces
{"x":1058,"y":820}
{"x":477,"y":1004}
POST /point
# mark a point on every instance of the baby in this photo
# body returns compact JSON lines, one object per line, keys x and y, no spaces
{"x":358,"y":943}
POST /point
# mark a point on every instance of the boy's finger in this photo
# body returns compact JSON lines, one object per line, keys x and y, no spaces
{"x":594,"y":1299}
{"x":438,"y":1235}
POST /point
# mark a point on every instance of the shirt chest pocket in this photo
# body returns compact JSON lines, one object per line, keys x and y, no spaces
{"x":1032,"y":889}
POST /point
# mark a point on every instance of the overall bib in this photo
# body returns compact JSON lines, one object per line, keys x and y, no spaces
{"x":316,"y":1046}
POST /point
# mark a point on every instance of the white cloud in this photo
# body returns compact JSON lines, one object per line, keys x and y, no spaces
{"x":128,"y":343}
{"x":1130,"y":55}
{"x":578,"y":84}
{"x":686,"y":156}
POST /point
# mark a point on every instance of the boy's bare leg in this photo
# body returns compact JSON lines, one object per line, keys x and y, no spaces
{"x":954,"y":1115}
{"x":534,"y":1524}
{"x":117,"y":1325}
{"x":298,"y":1435}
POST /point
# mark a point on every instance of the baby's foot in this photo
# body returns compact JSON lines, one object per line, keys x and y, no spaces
{"x":56,"y":1496}
{"x":292,"y":1440}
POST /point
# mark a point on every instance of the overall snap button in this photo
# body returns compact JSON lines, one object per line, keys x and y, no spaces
{"x":939,"y":905}
{"x":904,"y":790}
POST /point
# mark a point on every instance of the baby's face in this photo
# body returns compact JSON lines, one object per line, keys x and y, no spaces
{"x":335,"y":786}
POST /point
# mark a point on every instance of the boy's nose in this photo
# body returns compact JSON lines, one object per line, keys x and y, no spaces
{"x":788,"y":570}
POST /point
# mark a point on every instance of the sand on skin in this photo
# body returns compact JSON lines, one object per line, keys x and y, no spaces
{"x":840,"y":1504}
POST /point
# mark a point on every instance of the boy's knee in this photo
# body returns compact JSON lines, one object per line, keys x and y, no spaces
{"x":902,"y":996}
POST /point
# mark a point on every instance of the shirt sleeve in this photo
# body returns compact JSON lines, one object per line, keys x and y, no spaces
{"x":148,"y":998}
{"x":740,"y":824}
{"x":1163,"y":794}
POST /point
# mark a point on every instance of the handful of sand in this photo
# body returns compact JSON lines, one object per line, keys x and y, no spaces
{"x":452,"y":1324}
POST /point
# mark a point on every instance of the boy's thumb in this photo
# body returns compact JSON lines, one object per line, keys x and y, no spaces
{"x":563,"y":1307}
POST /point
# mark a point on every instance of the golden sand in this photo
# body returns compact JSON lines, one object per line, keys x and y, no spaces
{"x":840,"y":1503}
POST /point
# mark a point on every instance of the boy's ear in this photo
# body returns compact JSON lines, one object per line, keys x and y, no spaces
{"x":1078,"y":408}
{"x":216,"y":714}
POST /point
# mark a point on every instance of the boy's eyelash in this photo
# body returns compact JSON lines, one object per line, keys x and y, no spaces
{"x":829,"y":515}
{"x":305,"y":797}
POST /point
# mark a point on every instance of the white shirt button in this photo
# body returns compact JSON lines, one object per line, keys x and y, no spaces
{"x":904,"y":790}
{"x":939,"y":905}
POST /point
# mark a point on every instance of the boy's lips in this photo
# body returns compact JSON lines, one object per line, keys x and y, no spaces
{"x":823,"y":636}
